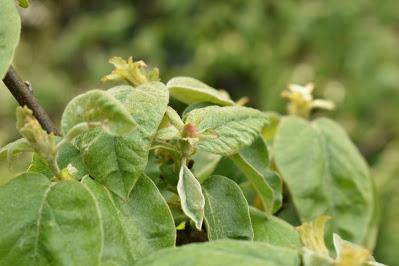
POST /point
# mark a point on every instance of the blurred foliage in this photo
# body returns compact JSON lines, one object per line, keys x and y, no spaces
{"x":247,"y":47}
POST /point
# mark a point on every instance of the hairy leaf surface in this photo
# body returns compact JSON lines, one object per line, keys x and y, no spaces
{"x":116,"y":161}
{"x":224,"y":252}
{"x":10,"y":28}
{"x":47,"y":223}
{"x":234,"y":126}
{"x":98,"y":106}
{"x":189,"y":90}
{"x":226,"y":210}
{"x":136,"y":227}
{"x":326,"y":175}
{"x":191,"y":197}
{"x":256,"y":157}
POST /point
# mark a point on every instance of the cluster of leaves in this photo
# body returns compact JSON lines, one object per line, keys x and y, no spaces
{"x":130,"y":177}
{"x":296,"y":43}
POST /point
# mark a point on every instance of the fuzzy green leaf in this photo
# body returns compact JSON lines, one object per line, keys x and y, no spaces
{"x":258,"y":181}
{"x":226,"y":210}
{"x":189,"y":90}
{"x":224,"y":252}
{"x":10,"y":28}
{"x":191,"y":197}
{"x":257,"y":156}
{"x":273,"y":230}
{"x":205,"y":164}
{"x":98,"y":106}
{"x":133,"y":228}
{"x":326,"y":175}
{"x":234,"y":126}
{"x":117,"y":162}
{"x":46,"y":223}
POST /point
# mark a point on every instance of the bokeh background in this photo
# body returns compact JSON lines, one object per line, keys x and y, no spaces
{"x":255,"y":48}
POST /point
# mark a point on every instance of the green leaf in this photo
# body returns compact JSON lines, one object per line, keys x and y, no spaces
{"x":273,"y":230}
{"x":205,"y":164}
{"x":226,"y":210}
{"x":10,"y":28}
{"x":68,"y":157}
{"x":14,"y":148}
{"x":189,"y":90}
{"x":235,"y":127}
{"x":224,"y":252}
{"x":386,"y":173}
{"x":117,"y":162}
{"x":174,"y":118}
{"x":264,"y":191}
{"x":191,"y":197}
{"x":98,"y":106}
{"x":133,"y":228}
{"x":45,"y":223}
{"x":257,"y":155}
{"x":326,"y":175}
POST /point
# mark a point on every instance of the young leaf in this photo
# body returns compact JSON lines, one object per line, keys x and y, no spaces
{"x":131,"y":71}
{"x":189,"y":90}
{"x":10,"y":27}
{"x":312,"y":235}
{"x":326,"y":175}
{"x":273,"y":230}
{"x":13,"y":149}
{"x":133,"y":228}
{"x":226,"y":210}
{"x":257,"y":156}
{"x":315,"y":252}
{"x":191,"y":197}
{"x":48,"y":223}
{"x":224,"y":252}
{"x":117,"y":162}
{"x":174,"y":118}
{"x":234,"y":126}
{"x":349,"y":254}
{"x":98,"y":106}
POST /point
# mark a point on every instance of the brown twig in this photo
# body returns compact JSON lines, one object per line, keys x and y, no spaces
{"x":23,"y":93}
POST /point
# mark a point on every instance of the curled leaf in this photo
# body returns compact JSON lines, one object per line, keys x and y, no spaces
{"x":42,"y":142}
{"x":312,"y":235}
{"x":98,"y":106}
{"x":14,"y":148}
{"x":349,"y":254}
{"x":191,"y":197}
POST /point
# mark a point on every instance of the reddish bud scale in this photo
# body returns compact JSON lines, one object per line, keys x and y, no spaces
{"x":189,"y":131}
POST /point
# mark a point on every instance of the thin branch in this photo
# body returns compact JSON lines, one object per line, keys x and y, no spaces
{"x":23,"y":93}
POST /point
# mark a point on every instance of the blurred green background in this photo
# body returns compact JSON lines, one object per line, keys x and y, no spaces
{"x":254,"y":48}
